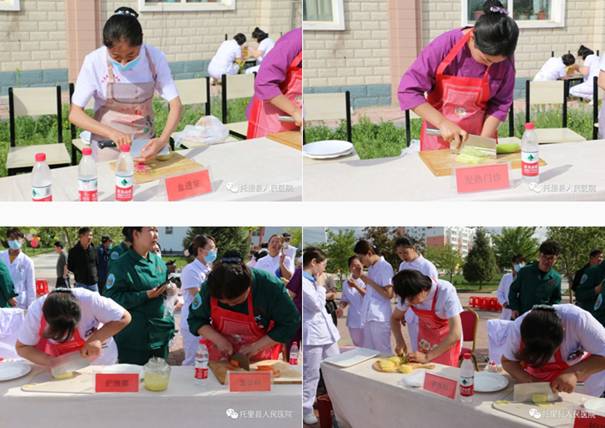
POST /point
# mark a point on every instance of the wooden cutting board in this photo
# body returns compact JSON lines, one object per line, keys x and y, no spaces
{"x":554,"y":415}
{"x":439,"y":162}
{"x":288,"y":374}
{"x":289,"y":138}
{"x":176,"y":165}
{"x":81,"y":383}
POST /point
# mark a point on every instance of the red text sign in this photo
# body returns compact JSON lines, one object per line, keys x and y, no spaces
{"x":483,"y":177}
{"x":258,"y":381}
{"x":116,"y":382}
{"x":440,"y":385}
{"x":588,"y":420}
{"x":188,"y":185}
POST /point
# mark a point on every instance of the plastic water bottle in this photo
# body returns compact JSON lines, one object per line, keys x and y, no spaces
{"x":41,"y":180}
{"x":201,"y":362}
{"x":467,"y":379}
{"x":124,"y":175}
{"x":294,"y":354}
{"x":530,"y":156}
{"x":87,"y":177}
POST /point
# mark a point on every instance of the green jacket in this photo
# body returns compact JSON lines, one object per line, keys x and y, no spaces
{"x":270,"y":300}
{"x":7,"y":288}
{"x":129,"y":279}
{"x":534,"y":287}
{"x":585,"y":295}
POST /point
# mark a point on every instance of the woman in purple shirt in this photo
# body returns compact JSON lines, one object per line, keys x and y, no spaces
{"x":469,"y":77}
{"x":278,"y":88}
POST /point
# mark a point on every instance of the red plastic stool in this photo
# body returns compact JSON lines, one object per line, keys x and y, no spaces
{"x":472,"y":301}
{"x":324,"y":408}
{"x":41,"y":287}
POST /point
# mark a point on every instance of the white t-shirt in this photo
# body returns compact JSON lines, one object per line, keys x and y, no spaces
{"x":355,"y":301}
{"x":553,"y":69}
{"x":422,"y":265}
{"x":192,"y":276}
{"x":593,"y":63}
{"x":447,"y":305}
{"x":11,"y":320}
{"x":271,"y":264}
{"x":92,"y":80}
{"x":224,"y":57}
{"x":95,"y":311}
{"x":318,"y":327}
{"x":375,"y":307}
{"x":291,"y":252}
{"x":266,"y":45}
{"x":23,"y":274}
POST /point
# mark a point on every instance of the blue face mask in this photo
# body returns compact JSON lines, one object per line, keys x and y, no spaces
{"x":211,"y":256}
{"x":128,"y":66}
{"x":14,"y":245}
{"x":517,"y":266}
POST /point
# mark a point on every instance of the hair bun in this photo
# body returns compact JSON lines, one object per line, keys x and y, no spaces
{"x":126,"y":11}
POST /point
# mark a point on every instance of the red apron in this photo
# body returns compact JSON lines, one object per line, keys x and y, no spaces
{"x":74,"y":343}
{"x":462,"y":100}
{"x":239,"y":329}
{"x":550,"y":371}
{"x":433,"y":330}
{"x":264,"y":116}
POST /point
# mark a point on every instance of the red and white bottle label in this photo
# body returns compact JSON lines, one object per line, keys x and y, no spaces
{"x":124,"y":188}
{"x":87,"y":190}
{"x":467,"y":387}
{"x":201,"y":373}
{"x":42,"y":194}
{"x":530,"y":164}
{"x":293,"y":360}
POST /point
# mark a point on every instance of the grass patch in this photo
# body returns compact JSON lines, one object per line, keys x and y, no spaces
{"x":43,"y":130}
{"x":384,"y":139}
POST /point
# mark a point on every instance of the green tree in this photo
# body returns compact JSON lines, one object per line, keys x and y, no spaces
{"x":513,"y":241}
{"x":445,"y":259}
{"x":227,"y":238}
{"x":384,"y":238}
{"x":576,"y":243}
{"x":480,"y":265}
{"x":338,"y":249}
{"x":297,"y":236}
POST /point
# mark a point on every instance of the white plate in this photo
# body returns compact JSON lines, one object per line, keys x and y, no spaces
{"x":327,"y":149}
{"x":595,"y":405}
{"x":13,"y":370}
{"x":489,"y":382}
{"x":414,"y":379}
{"x":352,"y":357}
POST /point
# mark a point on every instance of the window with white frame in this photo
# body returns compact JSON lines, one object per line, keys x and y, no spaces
{"x":323,"y":15}
{"x":10,"y":5}
{"x":527,"y":13}
{"x":169,"y":230}
{"x":185,"y":5}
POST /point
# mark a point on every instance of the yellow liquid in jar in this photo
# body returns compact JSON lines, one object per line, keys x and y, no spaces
{"x":155,"y":381}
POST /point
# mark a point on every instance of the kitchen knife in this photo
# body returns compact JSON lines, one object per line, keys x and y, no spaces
{"x":242,"y":360}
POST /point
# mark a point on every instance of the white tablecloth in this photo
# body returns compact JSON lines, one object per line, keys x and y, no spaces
{"x":183,"y":405}
{"x":574,"y":171}
{"x":364,"y":398}
{"x":258,"y":170}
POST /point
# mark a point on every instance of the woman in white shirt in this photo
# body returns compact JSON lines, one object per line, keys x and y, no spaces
{"x":353,"y":291}
{"x":69,"y":320}
{"x":276,"y":262}
{"x":376,"y":308}
{"x":265,"y":44}
{"x":122,"y":77}
{"x":320,"y":336}
{"x":590,"y":68}
{"x":203,"y":248}
{"x":518,"y":262}
{"x":438,"y":308}
{"x":560,"y":344}
{"x":555,"y":68}
{"x":224,"y":60}
{"x":21,"y":268}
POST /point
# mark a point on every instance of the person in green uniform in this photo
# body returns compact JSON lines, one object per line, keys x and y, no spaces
{"x":598,"y":309}
{"x":7,"y":288}
{"x":137,"y":280}
{"x":220,"y":311}
{"x":537,"y":283}
{"x":589,"y":287}
{"x":117,"y":250}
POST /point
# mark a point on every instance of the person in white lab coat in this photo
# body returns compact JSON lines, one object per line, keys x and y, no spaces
{"x":21,"y":268}
{"x":320,"y":336}
{"x":68,"y":320}
{"x":497,"y":335}
{"x":203,"y":248}
{"x":224,"y":60}
{"x":376,"y":308}
{"x":276,"y":262}
{"x":407,"y":251}
{"x":560,"y":344}
{"x":590,"y":68}
{"x":265,"y":44}
{"x":353,"y":291}
{"x":556,"y":68}
{"x":518,"y":261}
